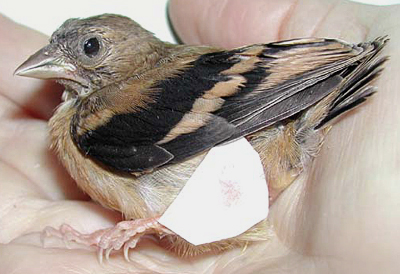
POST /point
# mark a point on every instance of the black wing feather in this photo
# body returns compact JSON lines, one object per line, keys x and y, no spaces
{"x":137,"y":141}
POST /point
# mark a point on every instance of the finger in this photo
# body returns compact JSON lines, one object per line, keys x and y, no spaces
{"x":227,"y":23}
{"x":34,"y":97}
{"x":233,"y":23}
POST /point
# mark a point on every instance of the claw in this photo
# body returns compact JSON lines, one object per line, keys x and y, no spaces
{"x":107,"y":253}
{"x":100,"y":255}
{"x":66,"y":242}
{"x":43,"y":237}
{"x":126,"y":252}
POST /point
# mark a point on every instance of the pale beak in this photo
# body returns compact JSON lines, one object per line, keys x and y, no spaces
{"x":47,"y":63}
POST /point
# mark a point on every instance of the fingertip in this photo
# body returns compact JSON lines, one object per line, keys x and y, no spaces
{"x":228,"y":23}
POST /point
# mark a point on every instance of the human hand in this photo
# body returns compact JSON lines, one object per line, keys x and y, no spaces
{"x":343,"y":218}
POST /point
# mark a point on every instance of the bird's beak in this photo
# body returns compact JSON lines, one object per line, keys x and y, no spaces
{"x":47,"y":63}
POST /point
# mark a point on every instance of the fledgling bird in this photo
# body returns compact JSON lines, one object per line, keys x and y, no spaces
{"x":139,"y":115}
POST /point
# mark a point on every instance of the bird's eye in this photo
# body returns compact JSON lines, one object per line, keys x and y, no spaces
{"x":91,"y":47}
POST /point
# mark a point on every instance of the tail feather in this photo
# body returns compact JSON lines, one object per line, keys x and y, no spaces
{"x":356,"y":84}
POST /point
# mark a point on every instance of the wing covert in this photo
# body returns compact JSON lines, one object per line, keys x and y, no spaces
{"x":217,"y":97}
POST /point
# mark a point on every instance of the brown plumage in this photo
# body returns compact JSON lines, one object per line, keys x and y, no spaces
{"x":139,"y":114}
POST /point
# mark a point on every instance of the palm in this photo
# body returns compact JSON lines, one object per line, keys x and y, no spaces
{"x":338,"y":218}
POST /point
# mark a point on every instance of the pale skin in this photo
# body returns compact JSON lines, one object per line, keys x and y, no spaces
{"x":343,"y":217}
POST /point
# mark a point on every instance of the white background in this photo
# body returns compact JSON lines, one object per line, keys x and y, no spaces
{"x":46,"y":16}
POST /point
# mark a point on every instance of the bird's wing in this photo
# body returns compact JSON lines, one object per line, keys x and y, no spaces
{"x":217,"y":97}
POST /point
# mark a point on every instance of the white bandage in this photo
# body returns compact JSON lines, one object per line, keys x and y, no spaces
{"x":226,"y":195}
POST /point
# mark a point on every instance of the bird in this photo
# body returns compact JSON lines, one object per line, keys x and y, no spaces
{"x":138,"y":115}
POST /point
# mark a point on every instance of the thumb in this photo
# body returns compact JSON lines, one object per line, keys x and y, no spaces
{"x":232,"y":23}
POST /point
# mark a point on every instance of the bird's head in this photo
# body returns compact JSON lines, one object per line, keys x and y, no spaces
{"x":88,"y":54}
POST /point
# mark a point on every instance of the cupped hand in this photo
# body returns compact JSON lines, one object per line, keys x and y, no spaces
{"x":341,"y":217}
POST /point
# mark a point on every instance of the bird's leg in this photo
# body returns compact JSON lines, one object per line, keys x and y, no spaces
{"x":124,"y":234}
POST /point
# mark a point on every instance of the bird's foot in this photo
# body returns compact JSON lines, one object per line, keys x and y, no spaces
{"x":125,"y":234}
